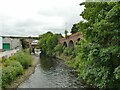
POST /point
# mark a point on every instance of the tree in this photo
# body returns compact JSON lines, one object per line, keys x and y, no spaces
{"x":48,"y":42}
{"x":59,"y":49}
{"x":98,"y":52}
{"x":66,"y":32}
{"x":24,"y":43}
{"x":74,"y":28}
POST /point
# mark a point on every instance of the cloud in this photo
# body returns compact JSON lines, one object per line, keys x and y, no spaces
{"x":35,"y":17}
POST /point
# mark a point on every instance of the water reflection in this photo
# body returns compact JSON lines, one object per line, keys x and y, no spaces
{"x":51,"y":73}
{"x":47,"y":63}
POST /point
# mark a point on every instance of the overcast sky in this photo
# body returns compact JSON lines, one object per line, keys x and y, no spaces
{"x":35,"y":17}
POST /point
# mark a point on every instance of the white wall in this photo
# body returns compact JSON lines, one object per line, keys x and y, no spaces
{"x":13,"y":42}
{"x":0,"y":42}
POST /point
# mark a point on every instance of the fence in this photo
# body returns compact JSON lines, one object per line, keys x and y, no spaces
{"x":7,"y":54}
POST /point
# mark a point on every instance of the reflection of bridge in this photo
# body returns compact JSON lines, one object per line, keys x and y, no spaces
{"x":71,"y":40}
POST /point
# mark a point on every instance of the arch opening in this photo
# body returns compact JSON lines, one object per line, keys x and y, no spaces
{"x":78,"y":39}
{"x":65,"y":44}
{"x":71,"y":43}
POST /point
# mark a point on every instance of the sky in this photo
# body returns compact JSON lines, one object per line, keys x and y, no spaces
{"x":35,"y":17}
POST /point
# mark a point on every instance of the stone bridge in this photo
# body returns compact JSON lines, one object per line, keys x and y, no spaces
{"x":71,"y":40}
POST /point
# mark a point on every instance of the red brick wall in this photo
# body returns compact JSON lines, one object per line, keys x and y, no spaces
{"x":72,"y":37}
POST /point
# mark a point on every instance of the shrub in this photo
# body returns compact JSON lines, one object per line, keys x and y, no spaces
{"x":98,"y":53}
{"x":6,"y":62}
{"x":68,"y":51}
{"x":18,"y":67}
{"x":24,"y":58}
{"x":12,"y":71}
{"x":59,"y":49}
{"x":13,"y":67}
{"x":12,"y":57}
{"x":97,"y":66}
{"x":50,"y":52}
{"x":117,"y":72}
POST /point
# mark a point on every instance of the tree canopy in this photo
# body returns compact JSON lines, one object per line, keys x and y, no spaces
{"x":98,"y":58}
{"x":48,"y":41}
{"x":97,"y":55}
{"x":74,"y":28}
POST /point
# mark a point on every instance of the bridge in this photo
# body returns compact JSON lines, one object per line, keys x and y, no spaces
{"x":71,"y":40}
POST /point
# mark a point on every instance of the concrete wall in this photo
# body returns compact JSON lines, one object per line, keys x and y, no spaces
{"x":14,"y":43}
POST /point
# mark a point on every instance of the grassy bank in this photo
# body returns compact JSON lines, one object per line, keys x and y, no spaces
{"x":68,"y":59}
{"x":14,"y":67}
{"x":24,"y":76}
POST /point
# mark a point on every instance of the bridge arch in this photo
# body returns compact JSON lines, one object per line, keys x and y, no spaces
{"x":71,"y":40}
{"x":78,"y":39}
{"x":65,"y":44}
{"x":71,"y":43}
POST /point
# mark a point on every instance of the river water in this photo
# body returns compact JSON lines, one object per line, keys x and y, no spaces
{"x":51,"y":73}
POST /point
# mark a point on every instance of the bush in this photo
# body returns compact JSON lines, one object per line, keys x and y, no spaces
{"x":12,"y":57}
{"x":98,"y":53}
{"x":13,"y":67}
{"x":59,"y":49}
{"x":50,"y":53}
{"x":68,"y":51}
{"x":18,"y":67}
{"x":11,"y":72}
{"x":24,"y":58}
{"x":97,"y":66}
{"x":117,"y":72}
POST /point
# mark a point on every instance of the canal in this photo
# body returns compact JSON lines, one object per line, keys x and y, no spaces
{"x":51,"y":73}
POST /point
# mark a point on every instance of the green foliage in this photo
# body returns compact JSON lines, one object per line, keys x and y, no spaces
{"x":13,"y":67}
{"x":11,"y":72}
{"x":117,"y":72}
{"x":69,"y":52}
{"x":98,"y":53}
{"x":66,"y":32}
{"x":25,"y":44}
{"x":47,"y":43}
{"x":24,"y":58}
{"x":59,"y":49}
{"x":74,"y":28}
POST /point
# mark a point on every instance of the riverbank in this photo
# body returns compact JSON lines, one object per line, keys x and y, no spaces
{"x":66,"y":59}
{"x":63,"y":57}
{"x":25,"y":75}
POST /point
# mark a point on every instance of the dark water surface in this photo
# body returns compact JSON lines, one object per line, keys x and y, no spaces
{"x":51,"y":73}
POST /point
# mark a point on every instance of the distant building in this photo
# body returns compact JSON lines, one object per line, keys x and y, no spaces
{"x":7,"y":43}
{"x":0,"y":44}
{"x":35,"y":42}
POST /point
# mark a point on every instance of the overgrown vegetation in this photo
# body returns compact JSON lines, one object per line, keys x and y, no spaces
{"x":24,"y":43}
{"x":10,"y":71}
{"x":47,"y":43}
{"x":59,"y":49}
{"x":24,"y":58}
{"x":14,"y":67}
{"x":97,"y":55}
